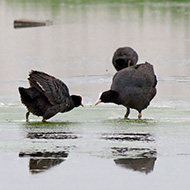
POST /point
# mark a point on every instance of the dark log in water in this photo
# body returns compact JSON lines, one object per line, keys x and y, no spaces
{"x":22,"y":23}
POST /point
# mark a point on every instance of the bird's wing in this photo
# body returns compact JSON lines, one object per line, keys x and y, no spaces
{"x":54,"y":89}
{"x":148,"y":74}
{"x":137,"y":76}
{"x":122,"y":79}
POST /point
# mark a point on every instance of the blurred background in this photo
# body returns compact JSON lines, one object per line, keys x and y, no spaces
{"x":79,"y":46}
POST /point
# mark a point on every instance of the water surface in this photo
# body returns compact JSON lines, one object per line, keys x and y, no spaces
{"x":94,"y":147}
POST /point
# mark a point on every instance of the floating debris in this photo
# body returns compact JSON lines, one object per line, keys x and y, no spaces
{"x":23,"y":23}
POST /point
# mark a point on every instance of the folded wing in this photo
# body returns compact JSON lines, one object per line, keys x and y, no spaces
{"x":54,"y":89}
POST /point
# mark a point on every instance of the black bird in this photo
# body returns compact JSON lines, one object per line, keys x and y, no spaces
{"x":47,"y":96}
{"x":133,"y":87}
{"x":124,"y":57}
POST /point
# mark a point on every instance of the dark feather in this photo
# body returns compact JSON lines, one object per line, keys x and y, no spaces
{"x":47,"y":96}
{"x":135,"y":85}
{"x":54,"y":89}
{"x":35,"y":102}
{"x":123,"y":56}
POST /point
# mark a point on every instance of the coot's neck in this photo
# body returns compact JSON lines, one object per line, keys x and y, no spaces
{"x":110,"y":96}
{"x":77,"y":100}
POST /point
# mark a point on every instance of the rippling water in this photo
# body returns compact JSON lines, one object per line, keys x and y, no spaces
{"x":94,"y":147}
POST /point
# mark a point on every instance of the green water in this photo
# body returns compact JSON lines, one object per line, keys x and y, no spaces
{"x":95,"y":141}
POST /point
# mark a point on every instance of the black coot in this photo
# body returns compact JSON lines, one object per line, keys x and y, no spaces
{"x":133,"y":87}
{"x":47,"y":96}
{"x":124,"y":57}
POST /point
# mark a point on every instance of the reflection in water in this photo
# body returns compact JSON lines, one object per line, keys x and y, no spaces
{"x":40,"y":165}
{"x":51,"y":135}
{"x":41,"y":161}
{"x":138,"y":159}
{"x":128,"y":137}
{"x":140,"y":152}
{"x":137,"y":164}
{"x":141,"y":158}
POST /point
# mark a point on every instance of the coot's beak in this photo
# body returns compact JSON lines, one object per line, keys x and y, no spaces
{"x":98,"y":101}
{"x":82,"y":105}
{"x":129,"y":63}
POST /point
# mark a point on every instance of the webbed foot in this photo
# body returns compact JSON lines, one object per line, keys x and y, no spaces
{"x":140,"y":115}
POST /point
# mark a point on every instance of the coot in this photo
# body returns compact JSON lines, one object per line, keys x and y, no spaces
{"x":133,"y":87}
{"x":47,"y":96}
{"x":124,"y":57}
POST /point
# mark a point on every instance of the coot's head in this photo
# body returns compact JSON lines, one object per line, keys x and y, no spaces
{"x":77,"y":100}
{"x":122,"y":62}
{"x":108,"y":96}
{"x":124,"y":57}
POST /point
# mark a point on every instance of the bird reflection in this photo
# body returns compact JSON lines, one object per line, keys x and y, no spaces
{"x":137,"y":158}
{"x":145,"y":165}
{"x":133,"y":159}
{"x":42,"y":161}
{"x":40,"y":165}
{"x":51,"y":135}
{"x":128,"y":137}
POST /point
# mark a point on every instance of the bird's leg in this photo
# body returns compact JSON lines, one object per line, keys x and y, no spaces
{"x":27,"y":115}
{"x":127,"y":113}
{"x":140,"y":115}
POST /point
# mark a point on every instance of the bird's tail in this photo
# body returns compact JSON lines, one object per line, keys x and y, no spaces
{"x":27,"y":94}
{"x":25,"y":97}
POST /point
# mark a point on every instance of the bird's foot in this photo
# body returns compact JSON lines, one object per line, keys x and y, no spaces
{"x":126,"y":116}
{"x":140,"y":116}
{"x":43,"y":120}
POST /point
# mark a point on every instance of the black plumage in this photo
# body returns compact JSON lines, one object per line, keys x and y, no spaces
{"x":124,"y":57}
{"x":47,"y":96}
{"x":133,"y":87}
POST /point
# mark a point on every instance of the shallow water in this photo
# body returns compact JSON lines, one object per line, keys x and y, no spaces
{"x":94,"y":147}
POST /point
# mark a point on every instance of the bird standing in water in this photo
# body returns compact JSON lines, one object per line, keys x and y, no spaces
{"x":47,"y":96}
{"x":124,"y":57}
{"x":133,"y":87}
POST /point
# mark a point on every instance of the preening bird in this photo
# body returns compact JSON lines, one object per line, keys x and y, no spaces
{"x":47,"y":96}
{"x":133,"y":87}
{"x":124,"y":57}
